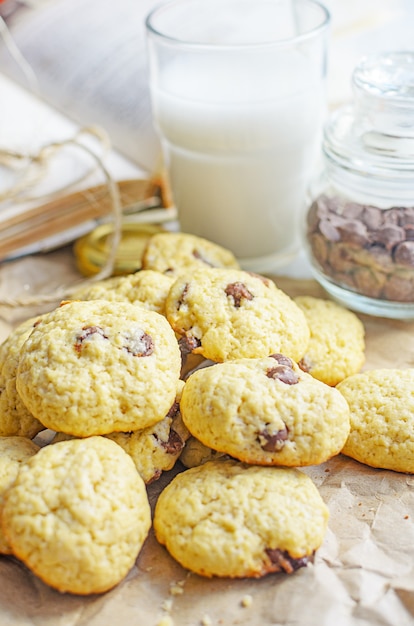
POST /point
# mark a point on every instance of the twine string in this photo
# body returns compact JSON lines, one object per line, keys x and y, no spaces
{"x":66,"y":291}
{"x":31,"y":168}
{"x":18,"y":57}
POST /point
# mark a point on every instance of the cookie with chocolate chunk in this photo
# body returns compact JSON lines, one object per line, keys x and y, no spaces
{"x":381,"y":406}
{"x":336,"y":347}
{"x":154,"y":449}
{"x":98,"y":367}
{"x":146,"y":288}
{"x":15,"y":418}
{"x":157,"y":448}
{"x":175,"y":253}
{"x":227,"y":314}
{"x":231,"y":520}
{"x":265,"y":412}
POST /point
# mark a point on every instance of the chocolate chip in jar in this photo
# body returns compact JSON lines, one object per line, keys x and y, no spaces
{"x":360,"y":222}
{"x":371,"y":252}
{"x":404,"y":253}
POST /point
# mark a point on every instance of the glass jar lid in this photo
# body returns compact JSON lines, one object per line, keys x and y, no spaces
{"x":375,"y":134}
{"x":384,"y":90}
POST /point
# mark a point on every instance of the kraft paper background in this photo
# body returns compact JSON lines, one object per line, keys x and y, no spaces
{"x":363,"y":574}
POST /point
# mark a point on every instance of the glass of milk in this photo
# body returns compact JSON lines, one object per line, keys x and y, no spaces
{"x":238,"y":96}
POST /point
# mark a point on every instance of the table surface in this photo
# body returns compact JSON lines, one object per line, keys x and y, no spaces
{"x":363,"y":575}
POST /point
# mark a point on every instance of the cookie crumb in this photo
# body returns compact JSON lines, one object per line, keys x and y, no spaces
{"x":167,"y":605}
{"x":167,"y":620}
{"x":206,"y":621}
{"x":246,"y":601}
{"x":176,"y":589}
{"x":406,"y":517}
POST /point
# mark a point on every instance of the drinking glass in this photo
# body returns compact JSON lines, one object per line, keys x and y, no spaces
{"x":238,"y":97}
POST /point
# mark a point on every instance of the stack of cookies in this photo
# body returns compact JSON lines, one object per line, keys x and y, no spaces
{"x":190,"y":359}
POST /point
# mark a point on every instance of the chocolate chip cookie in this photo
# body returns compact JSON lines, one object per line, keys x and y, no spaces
{"x":15,"y":417}
{"x":231,"y":520}
{"x":97,"y":367}
{"x":175,"y":253}
{"x":14,"y":451}
{"x":77,"y":515}
{"x":227,"y":314}
{"x":381,"y":406}
{"x":146,"y":288}
{"x":265,"y":412}
{"x":336,"y":346}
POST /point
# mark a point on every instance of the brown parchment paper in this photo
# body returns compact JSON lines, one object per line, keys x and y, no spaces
{"x":363,"y":574}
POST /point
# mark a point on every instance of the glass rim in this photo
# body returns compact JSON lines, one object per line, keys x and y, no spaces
{"x":309,"y":34}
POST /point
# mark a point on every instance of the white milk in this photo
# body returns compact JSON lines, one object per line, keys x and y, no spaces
{"x":240,"y":138}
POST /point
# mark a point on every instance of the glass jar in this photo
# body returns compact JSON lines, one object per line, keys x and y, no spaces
{"x":360,"y":226}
